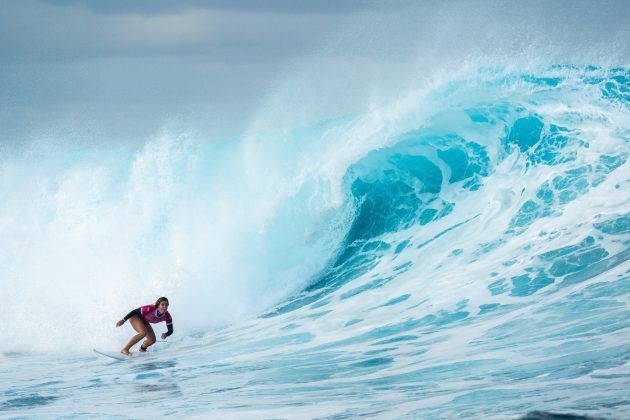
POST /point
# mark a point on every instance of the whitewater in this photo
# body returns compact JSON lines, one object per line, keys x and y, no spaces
{"x":460,"y":249}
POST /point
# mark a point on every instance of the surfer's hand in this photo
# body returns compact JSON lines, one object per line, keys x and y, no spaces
{"x":163,"y":336}
{"x":119,"y":323}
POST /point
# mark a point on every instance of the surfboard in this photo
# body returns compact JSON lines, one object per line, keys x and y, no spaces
{"x":118,"y":355}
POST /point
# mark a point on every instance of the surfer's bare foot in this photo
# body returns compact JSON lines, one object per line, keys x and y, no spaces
{"x":125,"y":352}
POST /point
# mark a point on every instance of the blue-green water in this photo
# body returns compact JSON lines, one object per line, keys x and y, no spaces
{"x":465,"y":254}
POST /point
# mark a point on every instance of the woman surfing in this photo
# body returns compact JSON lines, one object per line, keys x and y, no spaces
{"x":141,"y":319}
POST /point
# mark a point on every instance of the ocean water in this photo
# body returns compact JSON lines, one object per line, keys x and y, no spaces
{"x":460,"y":252}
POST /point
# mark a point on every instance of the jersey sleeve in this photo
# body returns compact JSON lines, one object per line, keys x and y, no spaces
{"x":168,"y":318}
{"x":146,"y":309}
{"x":132,"y":313}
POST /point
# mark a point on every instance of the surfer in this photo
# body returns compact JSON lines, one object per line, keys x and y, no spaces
{"x":141,"y":319}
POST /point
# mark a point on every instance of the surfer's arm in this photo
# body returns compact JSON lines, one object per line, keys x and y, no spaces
{"x":129,"y":315}
{"x":132,"y":313}
{"x":168,"y":332}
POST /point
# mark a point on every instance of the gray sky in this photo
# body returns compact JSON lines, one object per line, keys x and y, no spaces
{"x":120,"y":71}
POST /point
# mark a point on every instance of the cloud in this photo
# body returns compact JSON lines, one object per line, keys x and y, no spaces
{"x":120,"y":69}
{"x":75,"y":29}
{"x":156,"y":7}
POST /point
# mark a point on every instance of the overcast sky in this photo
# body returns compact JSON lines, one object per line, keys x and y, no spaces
{"x":120,"y":71}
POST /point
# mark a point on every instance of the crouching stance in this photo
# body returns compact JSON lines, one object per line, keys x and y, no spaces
{"x":141,"y":319}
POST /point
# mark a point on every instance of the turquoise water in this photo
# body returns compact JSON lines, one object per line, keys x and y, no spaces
{"x":461,"y":253}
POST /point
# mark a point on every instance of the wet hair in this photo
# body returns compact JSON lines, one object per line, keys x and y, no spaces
{"x":160,"y":300}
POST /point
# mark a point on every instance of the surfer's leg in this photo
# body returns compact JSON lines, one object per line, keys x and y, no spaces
{"x":140,"y":325}
{"x":150,"y":338}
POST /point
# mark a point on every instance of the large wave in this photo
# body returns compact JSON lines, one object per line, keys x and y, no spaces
{"x":481,"y":192}
{"x":483,"y":268}
{"x":506,"y":156}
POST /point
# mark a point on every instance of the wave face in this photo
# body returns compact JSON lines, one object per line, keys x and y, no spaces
{"x":462,"y":252}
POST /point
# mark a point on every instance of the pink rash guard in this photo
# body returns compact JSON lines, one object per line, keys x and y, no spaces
{"x":150,"y":314}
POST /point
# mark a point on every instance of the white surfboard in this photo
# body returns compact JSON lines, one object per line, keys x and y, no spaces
{"x":118,"y":355}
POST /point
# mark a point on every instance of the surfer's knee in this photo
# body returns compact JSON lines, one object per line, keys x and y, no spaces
{"x":150,"y":334}
{"x":150,"y":337}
